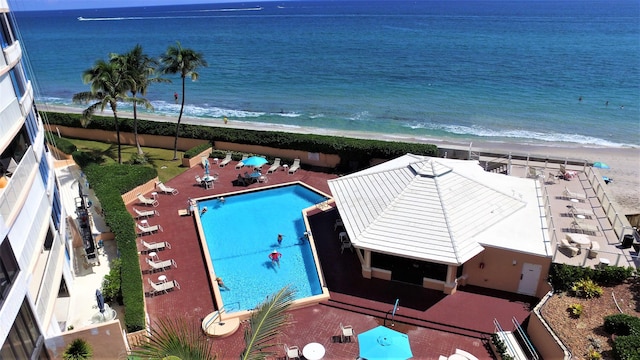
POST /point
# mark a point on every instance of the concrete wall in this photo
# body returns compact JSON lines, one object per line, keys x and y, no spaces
{"x":196,"y":160}
{"x":132,"y":195}
{"x":107,"y":341}
{"x":498,"y":271}
{"x":307,"y":158}
{"x":542,"y":337}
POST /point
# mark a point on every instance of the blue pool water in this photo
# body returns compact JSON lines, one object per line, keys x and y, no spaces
{"x":241,"y":233}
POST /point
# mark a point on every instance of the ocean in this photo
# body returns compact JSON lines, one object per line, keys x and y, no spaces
{"x":534,"y":72}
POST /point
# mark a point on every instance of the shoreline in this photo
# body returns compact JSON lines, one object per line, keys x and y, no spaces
{"x":624,"y":161}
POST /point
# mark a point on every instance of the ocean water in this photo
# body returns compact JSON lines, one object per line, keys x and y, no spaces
{"x":512,"y":71}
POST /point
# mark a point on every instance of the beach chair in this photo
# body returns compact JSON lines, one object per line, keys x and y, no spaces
{"x":226,"y":160}
{"x":346,"y":333}
{"x":144,"y":230}
{"x":584,"y":228}
{"x":535,"y":173}
{"x":572,"y":250}
{"x":240,"y":163}
{"x":274,"y":167}
{"x":154,"y":246}
{"x":166,"y":189}
{"x":162,"y":287}
{"x":295,"y":166}
{"x":573,"y":195}
{"x":292,"y":352}
{"x":145,"y":213}
{"x":579,"y":211}
{"x":161,"y":265}
{"x":148,"y":202}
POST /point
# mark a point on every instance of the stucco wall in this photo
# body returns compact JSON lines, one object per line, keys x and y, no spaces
{"x":106,"y":340}
{"x":308,"y":158}
{"x":498,"y":271}
{"x":132,"y":195}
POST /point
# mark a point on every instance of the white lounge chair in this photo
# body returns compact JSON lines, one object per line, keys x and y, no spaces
{"x":275,"y":166}
{"x":161,"y":265}
{"x":346,"y":333}
{"x":573,"y":250}
{"x":166,"y":189}
{"x":162,"y":286}
{"x":143,"y":230}
{"x":226,"y":160}
{"x":582,"y":227}
{"x":240,"y":163}
{"x":292,"y":352}
{"x":146,"y":201}
{"x":295,"y":166}
{"x":573,"y":195}
{"x":145,"y":213}
{"x":579,"y":211}
{"x":154,"y":246}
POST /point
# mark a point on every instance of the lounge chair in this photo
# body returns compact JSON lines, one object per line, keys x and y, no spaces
{"x":565,"y":244}
{"x":582,"y":227}
{"x":573,"y":195}
{"x":143,"y":230}
{"x":240,"y":163}
{"x":579,"y":211}
{"x":145,"y":213}
{"x":295,"y":166}
{"x":226,"y":160}
{"x":154,"y":246}
{"x":162,"y":286}
{"x":346,"y":333}
{"x":275,"y":166}
{"x":146,"y":201}
{"x":551,"y":179}
{"x":535,"y":173}
{"x":161,"y":265}
{"x":166,"y":189}
{"x":292,"y":352}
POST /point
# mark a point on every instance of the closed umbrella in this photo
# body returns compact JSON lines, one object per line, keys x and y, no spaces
{"x":382,"y":343}
{"x":255,"y":161}
{"x":600,"y":165}
{"x":206,"y":168}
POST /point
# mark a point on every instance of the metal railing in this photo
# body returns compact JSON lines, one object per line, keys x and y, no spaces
{"x":525,"y":339}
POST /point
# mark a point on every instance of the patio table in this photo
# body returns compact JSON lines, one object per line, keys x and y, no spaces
{"x":313,"y":351}
{"x":580,"y":239}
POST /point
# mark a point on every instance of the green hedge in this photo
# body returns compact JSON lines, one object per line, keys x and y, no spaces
{"x":60,"y":143}
{"x":354,"y":154}
{"x":563,"y":276}
{"x":109,"y":183}
{"x":626,"y":345}
{"x":194,"y":151}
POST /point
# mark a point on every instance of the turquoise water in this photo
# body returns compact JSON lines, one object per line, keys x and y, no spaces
{"x":243,"y":231}
{"x":480,"y":70}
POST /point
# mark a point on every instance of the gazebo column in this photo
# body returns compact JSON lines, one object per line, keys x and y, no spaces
{"x":366,"y":264}
{"x":450,"y":285}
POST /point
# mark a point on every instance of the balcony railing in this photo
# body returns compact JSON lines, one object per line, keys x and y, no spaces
{"x":48,"y":284}
{"x":18,"y":183}
{"x":11,"y":120}
{"x":13,"y":52}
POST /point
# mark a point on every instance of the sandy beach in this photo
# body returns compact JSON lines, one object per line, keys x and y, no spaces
{"x":624,"y":162}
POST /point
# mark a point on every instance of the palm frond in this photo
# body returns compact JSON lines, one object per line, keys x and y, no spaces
{"x":266,"y":324}
{"x":178,"y":338}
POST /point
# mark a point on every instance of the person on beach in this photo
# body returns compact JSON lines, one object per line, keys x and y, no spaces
{"x":275,"y":257}
{"x":225,"y":120}
{"x":280,"y":236}
{"x":221,"y":284}
{"x":175,"y":97}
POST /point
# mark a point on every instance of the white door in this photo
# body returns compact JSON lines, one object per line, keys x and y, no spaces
{"x":529,"y":278}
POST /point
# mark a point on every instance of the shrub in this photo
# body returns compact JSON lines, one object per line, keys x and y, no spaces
{"x":563,"y":276}
{"x":194,"y":151}
{"x":586,"y":288}
{"x":78,"y":349}
{"x":111,"y":283}
{"x":501,"y":348}
{"x":627,"y":329}
{"x":575,"y":310}
{"x":61,"y":143}
{"x":138,"y":159}
{"x":594,"y":354}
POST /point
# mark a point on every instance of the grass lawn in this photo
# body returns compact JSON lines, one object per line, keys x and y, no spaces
{"x":160,"y":159}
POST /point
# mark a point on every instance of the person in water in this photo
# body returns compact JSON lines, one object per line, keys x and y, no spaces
{"x":280,"y":236}
{"x":221,"y":284}
{"x":275,"y":257}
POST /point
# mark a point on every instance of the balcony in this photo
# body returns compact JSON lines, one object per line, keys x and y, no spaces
{"x":13,"y":53}
{"x":11,"y":120}
{"x":15,"y":193}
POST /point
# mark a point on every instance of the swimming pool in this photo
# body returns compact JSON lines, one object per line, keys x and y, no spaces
{"x":242,"y":231}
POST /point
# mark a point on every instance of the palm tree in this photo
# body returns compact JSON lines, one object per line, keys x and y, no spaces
{"x":178,"y":60}
{"x":175,"y":339}
{"x":265,"y":324}
{"x":140,"y":68}
{"x":108,"y":86}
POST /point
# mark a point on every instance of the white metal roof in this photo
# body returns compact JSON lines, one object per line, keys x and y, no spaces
{"x":439,"y":210}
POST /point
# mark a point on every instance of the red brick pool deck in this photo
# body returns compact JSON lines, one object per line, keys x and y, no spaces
{"x":436,"y":323}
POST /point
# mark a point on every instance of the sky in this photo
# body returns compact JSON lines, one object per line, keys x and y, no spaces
{"x":28,"y":5}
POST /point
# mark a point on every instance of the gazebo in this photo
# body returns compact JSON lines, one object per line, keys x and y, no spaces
{"x":431,"y":221}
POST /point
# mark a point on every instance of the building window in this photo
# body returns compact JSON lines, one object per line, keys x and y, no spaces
{"x":8,"y":269}
{"x":17,"y":79}
{"x":7,"y":30}
{"x":44,"y":171}
{"x":32,"y":125}
{"x":24,"y":340}
{"x":48,"y":241}
{"x":56,"y":211}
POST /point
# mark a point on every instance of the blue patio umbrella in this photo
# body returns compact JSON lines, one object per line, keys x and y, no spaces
{"x":600,"y":165}
{"x":100,"y":300}
{"x":255,"y":161}
{"x":382,"y":343}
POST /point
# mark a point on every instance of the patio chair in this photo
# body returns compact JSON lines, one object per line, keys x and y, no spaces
{"x":144,"y":230}
{"x":154,"y":246}
{"x":574,"y":195}
{"x":263,"y":179}
{"x":148,"y":202}
{"x":551,"y":179}
{"x":161,"y":265}
{"x":593,"y":251}
{"x":346,"y":333}
{"x":294,"y":167}
{"x":166,"y":189}
{"x":292,"y":352}
{"x":274,"y":167}
{"x":162,"y":286}
{"x":338,"y":224}
{"x":572,"y":250}
{"x":342,"y":236}
{"x":240,"y":163}
{"x":226,"y":160}
{"x":145,"y":213}
{"x":345,"y":245}
{"x":534,"y":173}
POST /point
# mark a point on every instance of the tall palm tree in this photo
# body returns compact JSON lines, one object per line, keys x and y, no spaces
{"x":108,"y":86}
{"x":140,"y":68}
{"x":175,"y":339}
{"x":265,"y":324}
{"x":179,"y":60}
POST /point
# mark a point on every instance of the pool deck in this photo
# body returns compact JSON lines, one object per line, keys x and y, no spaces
{"x":437,"y":324}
